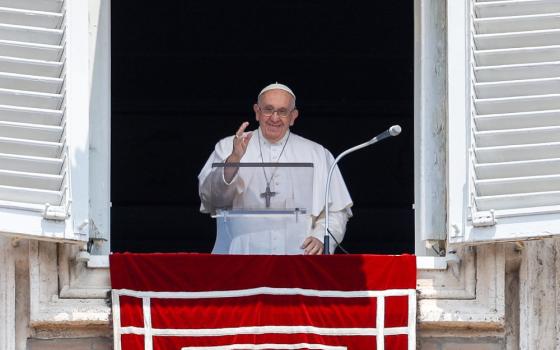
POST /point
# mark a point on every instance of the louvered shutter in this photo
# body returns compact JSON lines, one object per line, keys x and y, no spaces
{"x":506,"y":78}
{"x":44,"y":119}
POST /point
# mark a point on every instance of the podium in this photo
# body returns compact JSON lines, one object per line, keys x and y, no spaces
{"x":179,"y":301}
{"x":265,"y":210}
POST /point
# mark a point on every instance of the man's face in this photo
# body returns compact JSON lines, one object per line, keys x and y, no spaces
{"x":275,"y":126}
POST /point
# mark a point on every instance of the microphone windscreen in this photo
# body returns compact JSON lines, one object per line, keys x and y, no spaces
{"x":395,"y":130}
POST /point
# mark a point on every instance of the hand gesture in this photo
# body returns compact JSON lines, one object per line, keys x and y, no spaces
{"x":240,"y":142}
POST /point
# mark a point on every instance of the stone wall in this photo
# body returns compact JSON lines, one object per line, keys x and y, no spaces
{"x":98,"y":343}
{"x":532,"y":304}
{"x":525,"y":274}
{"x":463,"y":343}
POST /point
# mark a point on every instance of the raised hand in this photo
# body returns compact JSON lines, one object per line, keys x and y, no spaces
{"x":240,"y":143}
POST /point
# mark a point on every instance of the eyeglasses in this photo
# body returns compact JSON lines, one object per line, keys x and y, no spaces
{"x":268,"y":111}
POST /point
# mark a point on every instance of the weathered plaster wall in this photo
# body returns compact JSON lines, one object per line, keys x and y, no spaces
{"x":22,"y":292}
{"x":463,"y":343}
{"x":531,"y":300}
{"x":97,"y":343}
{"x":539,"y":295}
{"x":7,"y":295}
{"x":32,"y":316}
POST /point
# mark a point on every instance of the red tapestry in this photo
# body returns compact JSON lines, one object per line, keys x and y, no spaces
{"x":206,"y":302}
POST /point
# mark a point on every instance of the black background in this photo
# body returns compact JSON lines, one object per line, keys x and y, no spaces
{"x":186,"y":73}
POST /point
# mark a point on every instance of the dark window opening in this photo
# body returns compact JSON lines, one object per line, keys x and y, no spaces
{"x":186,"y":73}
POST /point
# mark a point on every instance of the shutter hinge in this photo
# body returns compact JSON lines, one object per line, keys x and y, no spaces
{"x":55,"y":212}
{"x":483,"y":218}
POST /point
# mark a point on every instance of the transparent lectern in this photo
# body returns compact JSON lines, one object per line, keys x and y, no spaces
{"x":266,"y":209}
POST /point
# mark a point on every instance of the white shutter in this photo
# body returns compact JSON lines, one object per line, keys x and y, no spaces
{"x":507,"y":138}
{"x":43,"y":119}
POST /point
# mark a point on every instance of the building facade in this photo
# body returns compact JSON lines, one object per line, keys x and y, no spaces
{"x":487,"y":150}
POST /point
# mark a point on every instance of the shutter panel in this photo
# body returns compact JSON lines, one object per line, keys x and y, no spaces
{"x":36,"y":151}
{"x":513,"y":148}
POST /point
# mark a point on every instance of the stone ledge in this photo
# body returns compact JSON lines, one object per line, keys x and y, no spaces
{"x":460,"y":297}
{"x":96,"y":343}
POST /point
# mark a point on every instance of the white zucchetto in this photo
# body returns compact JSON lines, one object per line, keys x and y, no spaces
{"x":277,"y":86}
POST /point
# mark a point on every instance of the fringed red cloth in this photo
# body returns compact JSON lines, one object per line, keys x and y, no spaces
{"x":206,"y":302}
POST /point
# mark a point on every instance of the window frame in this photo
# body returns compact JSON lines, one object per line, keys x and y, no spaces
{"x":430,"y":129}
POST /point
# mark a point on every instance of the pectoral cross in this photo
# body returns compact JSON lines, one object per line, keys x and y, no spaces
{"x":267,"y":194}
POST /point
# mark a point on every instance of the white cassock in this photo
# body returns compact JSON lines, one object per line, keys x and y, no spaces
{"x":269,"y":237}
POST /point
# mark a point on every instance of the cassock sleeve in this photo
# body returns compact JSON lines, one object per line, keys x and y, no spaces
{"x":213,"y":189}
{"x":337,"y":227}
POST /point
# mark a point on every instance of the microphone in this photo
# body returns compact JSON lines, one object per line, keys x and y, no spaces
{"x":392,"y":131}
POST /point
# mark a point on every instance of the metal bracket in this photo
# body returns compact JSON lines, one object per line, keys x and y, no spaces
{"x":454,"y":262}
{"x":54,"y":212}
{"x":483,"y":218}
{"x":438,"y":246}
{"x":94,"y":241}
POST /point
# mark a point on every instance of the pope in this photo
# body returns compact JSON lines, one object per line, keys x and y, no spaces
{"x":272,"y":142}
